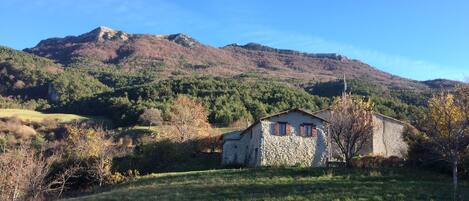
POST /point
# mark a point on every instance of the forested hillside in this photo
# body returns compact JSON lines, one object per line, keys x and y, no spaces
{"x":227,"y":100}
{"x":39,"y":83}
{"x":25,"y":74}
{"x":116,"y":74}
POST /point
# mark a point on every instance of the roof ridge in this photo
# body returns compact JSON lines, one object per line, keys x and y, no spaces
{"x":280,"y":113}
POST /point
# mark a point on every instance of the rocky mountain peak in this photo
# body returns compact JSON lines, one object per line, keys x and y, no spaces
{"x":103,"y":33}
{"x":183,"y":39}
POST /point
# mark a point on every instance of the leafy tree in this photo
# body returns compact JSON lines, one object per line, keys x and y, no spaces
{"x":351,"y":125}
{"x":447,"y":126}
{"x":151,"y":116}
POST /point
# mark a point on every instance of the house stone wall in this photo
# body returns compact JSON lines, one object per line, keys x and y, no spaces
{"x":293,"y":149}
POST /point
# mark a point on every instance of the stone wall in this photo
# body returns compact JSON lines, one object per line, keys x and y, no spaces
{"x":387,"y":137}
{"x":243,"y":150}
{"x":229,"y":154}
{"x":252,"y":141}
{"x":293,"y":149}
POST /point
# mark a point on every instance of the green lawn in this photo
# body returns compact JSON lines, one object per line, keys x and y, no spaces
{"x":284,"y":184}
{"x":35,"y":116}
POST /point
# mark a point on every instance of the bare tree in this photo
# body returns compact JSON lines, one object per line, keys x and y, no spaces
{"x":447,"y":127}
{"x":351,"y":125}
{"x":59,"y":183}
{"x":26,"y":171}
{"x":23,"y":173}
{"x":151,"y":116}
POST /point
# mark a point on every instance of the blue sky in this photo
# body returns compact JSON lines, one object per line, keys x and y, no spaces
{"x":418,"y":39}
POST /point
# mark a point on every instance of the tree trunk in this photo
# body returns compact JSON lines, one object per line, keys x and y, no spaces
{"x":348,"y":162}
{"x":455,"y":179}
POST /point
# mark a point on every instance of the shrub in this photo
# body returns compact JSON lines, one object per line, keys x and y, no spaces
{"x":377,"y":162}
{"x":24,"y":173}
{"x":91,"y":150}
{"x":151,"y":116}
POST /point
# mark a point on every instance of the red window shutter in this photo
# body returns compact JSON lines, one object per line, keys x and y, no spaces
{"x":288,"y":128}
{"x":277,"y":128}
{"x":314,"y":131}
{"x":302,"y":129}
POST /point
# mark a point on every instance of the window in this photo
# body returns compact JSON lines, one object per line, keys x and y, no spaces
{"x":281,"y":128}
{"x":308,"y":130}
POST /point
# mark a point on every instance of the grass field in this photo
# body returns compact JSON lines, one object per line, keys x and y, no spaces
{"x":139,"y":130}
{"x":284,"y":184}
{"x":229,"y":129}
{"x":35,"y":116}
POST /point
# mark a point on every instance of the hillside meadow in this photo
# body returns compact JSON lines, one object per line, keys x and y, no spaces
{"x":35,"y":116}
{"x":284,"y":184}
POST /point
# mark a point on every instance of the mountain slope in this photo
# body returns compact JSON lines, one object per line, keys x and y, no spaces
{"x":181,"y":54}
{"x":24,"y":74}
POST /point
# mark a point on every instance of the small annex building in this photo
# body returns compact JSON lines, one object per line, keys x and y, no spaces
{"x":387,"y":140}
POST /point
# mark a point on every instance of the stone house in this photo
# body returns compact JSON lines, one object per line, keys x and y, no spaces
{"x":298,"y":137}
{"x":293,"y":137}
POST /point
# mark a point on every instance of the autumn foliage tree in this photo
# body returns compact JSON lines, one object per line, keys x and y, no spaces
{"x":447,"y":126}
{"x":351,"y":125}
{"x":189,"y":119}
{"x":92,"y":150}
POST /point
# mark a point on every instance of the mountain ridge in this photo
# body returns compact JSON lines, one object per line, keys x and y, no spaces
{"x":182,"y":54}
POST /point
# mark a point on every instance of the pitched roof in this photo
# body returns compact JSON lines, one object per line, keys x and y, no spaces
{"x":233,"y":135}
{"x":314,"y":114}
{"x":375,"y":113}
{"x":280,"y":113}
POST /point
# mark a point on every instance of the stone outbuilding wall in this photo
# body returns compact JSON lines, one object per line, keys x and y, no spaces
{"x":388,"y":139}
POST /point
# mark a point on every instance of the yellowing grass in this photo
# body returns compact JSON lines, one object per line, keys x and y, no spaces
{"x":221,"y":130}
{"x":30,"y":115}
{"x":229,"y":129}
{"x":278,"y":184}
